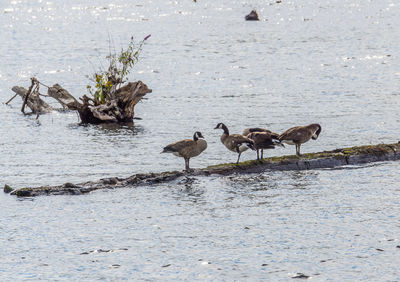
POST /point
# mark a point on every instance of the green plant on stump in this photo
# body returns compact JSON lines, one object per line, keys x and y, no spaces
{"x":107,"y":82}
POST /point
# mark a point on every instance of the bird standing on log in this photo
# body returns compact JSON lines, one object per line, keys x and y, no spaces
{"x":234,"y":142}
{"x":300,"y":134}
{"x":263,"y":139}
{"x":187,"y":148}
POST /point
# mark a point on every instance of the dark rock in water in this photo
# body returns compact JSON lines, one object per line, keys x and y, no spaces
{"x":7,"y":189}
{"x":380,"y":250}
{"x":253,"y":16}
{"x":301,"y":276}
{"x":398,"y":246}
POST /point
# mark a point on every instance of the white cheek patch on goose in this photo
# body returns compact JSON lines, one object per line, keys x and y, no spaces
{"x":315,"y":136}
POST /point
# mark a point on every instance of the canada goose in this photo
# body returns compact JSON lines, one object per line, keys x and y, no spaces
{"x":247,"y":131}
{"x":235,"y":142}
{"x":300,"y":134}
{"x":263,"y":140}
{"x":187,"y":148}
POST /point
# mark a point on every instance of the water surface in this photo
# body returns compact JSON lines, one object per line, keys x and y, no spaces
{"x":332,"y":62}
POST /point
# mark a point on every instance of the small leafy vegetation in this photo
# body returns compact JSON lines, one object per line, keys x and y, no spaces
{"x":108,"y":81}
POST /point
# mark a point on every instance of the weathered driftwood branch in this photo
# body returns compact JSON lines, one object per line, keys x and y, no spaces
{"x":119,"y":108}
{"x":63,"y":97}
{"x":32,"y":100}
{"x":326,"y":159}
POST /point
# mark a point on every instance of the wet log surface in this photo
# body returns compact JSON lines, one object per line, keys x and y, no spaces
{"x":33,"y":101}
{"x":327,"y":159}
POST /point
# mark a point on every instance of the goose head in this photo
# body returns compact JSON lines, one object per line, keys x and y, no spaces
{"x":223,"y":127}
{"x":316,"y":129}
{"x":220,"y":126}
{"x":197,"y":135}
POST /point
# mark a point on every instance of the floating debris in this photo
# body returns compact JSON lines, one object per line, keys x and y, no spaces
{"x":103,"y":251}
{"x":301,"y":276}
{"x":253,"y":16}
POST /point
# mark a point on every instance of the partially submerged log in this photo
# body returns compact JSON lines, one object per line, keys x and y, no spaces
{"x":326,"y":159}
{"x":63,"y":97}
{"x":33,"y":101}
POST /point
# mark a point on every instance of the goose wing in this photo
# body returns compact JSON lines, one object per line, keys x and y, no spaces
{"x":240,"y":139}
{"x":247,"y":131}
{"x":179,"y":146}
{"x":293,"y":133}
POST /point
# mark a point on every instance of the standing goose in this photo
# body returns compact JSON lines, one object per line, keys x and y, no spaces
{"x":234,"y":142}
{"x":187,"y":148}
{"x":274,"y":137}
{"x":264,"y":140}
{"x":300,"y":134}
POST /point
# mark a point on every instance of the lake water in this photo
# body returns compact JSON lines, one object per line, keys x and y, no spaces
{"x":332,"y":62}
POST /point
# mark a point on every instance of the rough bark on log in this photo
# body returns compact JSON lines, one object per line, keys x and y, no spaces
{"x":129,"y":95}
{"x":326,"y":159}
{"x":34,"y":102}
{"x":63,"y":97}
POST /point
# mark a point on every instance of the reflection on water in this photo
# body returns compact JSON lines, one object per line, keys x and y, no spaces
{"x":110,"y":128}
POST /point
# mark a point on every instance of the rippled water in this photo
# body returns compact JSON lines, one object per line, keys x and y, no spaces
{"x":332,"y":62}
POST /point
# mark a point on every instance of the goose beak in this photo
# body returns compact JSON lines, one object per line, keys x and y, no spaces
{"x":216,"y":127}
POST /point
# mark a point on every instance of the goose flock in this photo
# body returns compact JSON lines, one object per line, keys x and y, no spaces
{"x":252,"y":138}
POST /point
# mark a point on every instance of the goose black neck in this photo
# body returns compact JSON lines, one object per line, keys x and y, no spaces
{"x":225,"y":129}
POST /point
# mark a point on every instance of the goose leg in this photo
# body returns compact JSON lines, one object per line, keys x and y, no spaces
{"x":187,"y":164}
{"x":257,"y":156}
{"x":262,"y":154}
{"x":298,"y":150}
{"x":238,"y":158}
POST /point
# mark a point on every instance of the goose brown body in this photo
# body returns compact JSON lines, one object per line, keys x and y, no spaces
{"x":187,"y":148}
{"x":263,"y":139}
{"x":234,"y":142}
{"x":300,"y":134}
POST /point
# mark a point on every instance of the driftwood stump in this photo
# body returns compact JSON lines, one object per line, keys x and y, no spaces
{"x":119,"y":109}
